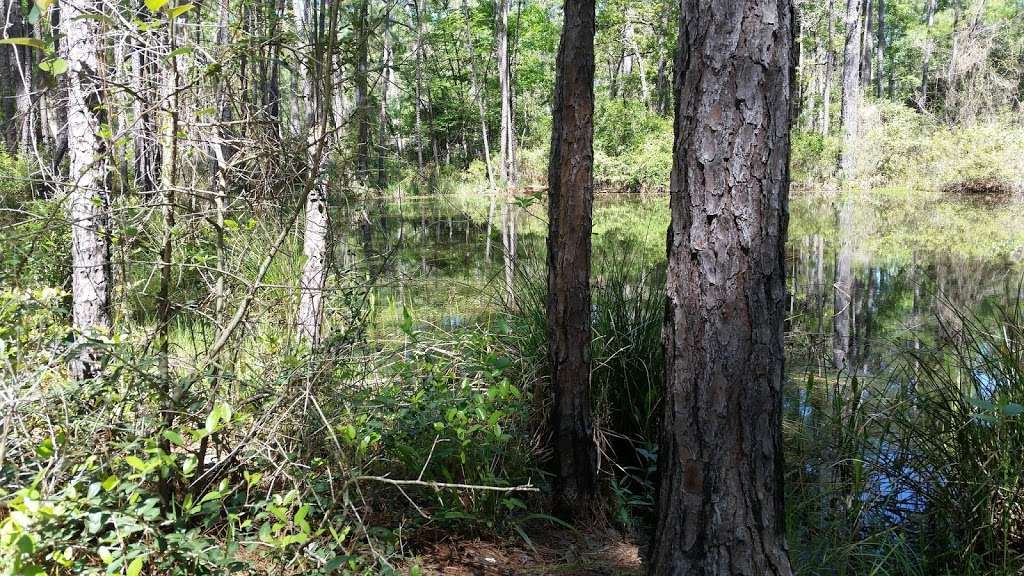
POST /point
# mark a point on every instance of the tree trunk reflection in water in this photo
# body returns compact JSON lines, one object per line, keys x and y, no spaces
{"x":843,"y":286}
{"x":508,"y":242}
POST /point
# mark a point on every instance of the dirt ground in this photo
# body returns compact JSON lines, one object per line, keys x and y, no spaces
{"x":561,"y":552}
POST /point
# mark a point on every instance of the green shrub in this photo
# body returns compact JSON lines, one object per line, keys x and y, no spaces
{"x":14,"y":184}
{"x":632,"y":146}
{"x":814,"y":157}
{"x":36,"y":249}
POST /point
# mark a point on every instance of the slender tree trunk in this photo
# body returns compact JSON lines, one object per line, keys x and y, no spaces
{"x":570,"y":207}
{"x":300,"y":97}
{"x":720,"y":493}
{"x":508,"y":131}
{"x":811,"y":116}
{"x":490,"y":226}
{"x":926,"y":58}
{"x":478,"y":95}
{"x":851,"y":88}
{"x":273,"y":87}
{"x":362,"y":97}
{"x":830,"y":68}
{"x":146,"y":82}
{"x":88,"y":179}
{"x":314,"y":248}
{"x":663,"y":88}
{"x":880,"y":47}
{"x":419,"y":85}
{"x":867,"y":45}
{"x":20,"y":72}
{"x":384,"y":115}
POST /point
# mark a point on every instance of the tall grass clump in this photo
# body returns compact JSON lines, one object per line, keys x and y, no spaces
{"x":627,"y":304}
{"x":918,"y":470}
{"x":963,"y":431}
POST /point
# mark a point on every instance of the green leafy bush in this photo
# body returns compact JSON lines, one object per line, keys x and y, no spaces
{"x":814,"y":157}
{"x":14,"y":186}
{"x":632,"y":146}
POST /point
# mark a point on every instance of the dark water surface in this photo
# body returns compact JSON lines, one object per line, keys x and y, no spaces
{"x":892,"y":268}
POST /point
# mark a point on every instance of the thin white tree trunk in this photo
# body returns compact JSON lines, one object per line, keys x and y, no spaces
{"x":309,"y":320}
{"x":479,"y":97}
{"x":88,"y":195}
{"x":508,"y":132}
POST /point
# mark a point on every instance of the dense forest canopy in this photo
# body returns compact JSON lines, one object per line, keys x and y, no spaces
{"x":380,"y":286}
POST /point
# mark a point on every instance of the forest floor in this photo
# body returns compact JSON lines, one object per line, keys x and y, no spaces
{"x":559,"y":551}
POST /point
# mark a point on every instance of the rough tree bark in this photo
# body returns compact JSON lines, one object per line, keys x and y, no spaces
{"x":851,"y":87}
{"x":720,"y":496}
{"x":88,"y":179}
{"x":570,"y":205}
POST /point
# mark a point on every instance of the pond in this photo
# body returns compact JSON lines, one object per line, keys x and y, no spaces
{"x":896,"y":263}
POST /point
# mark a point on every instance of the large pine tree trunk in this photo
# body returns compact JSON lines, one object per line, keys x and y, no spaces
{"x":570,"y":204}
{"x":720,"y":496}
{"x":851,"y":87}
{"x":88,"y":192}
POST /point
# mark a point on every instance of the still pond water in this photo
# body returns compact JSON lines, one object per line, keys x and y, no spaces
{"x":896,"y":264}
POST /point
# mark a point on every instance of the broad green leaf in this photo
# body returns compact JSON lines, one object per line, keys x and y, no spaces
{"x":147,"y":26}
{"x":179,"y":10}
{"x":59,"y":66}
{"x":1013,"y":409}
{"x":155,"y":5}
{"x":215,"y":495}
{"x":179,"y":52}
{"x":97,"y":17}
{"x":43,"y":4}
{"x":189,"y":466}
{"x":220,"y":412}
{"x":45,"y":448}
{"x":110,"y":483}
{"x":173,"y":437}
{"x":136,"y":463}
{"x":32,"y":42}
{"x":135,"y":567}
